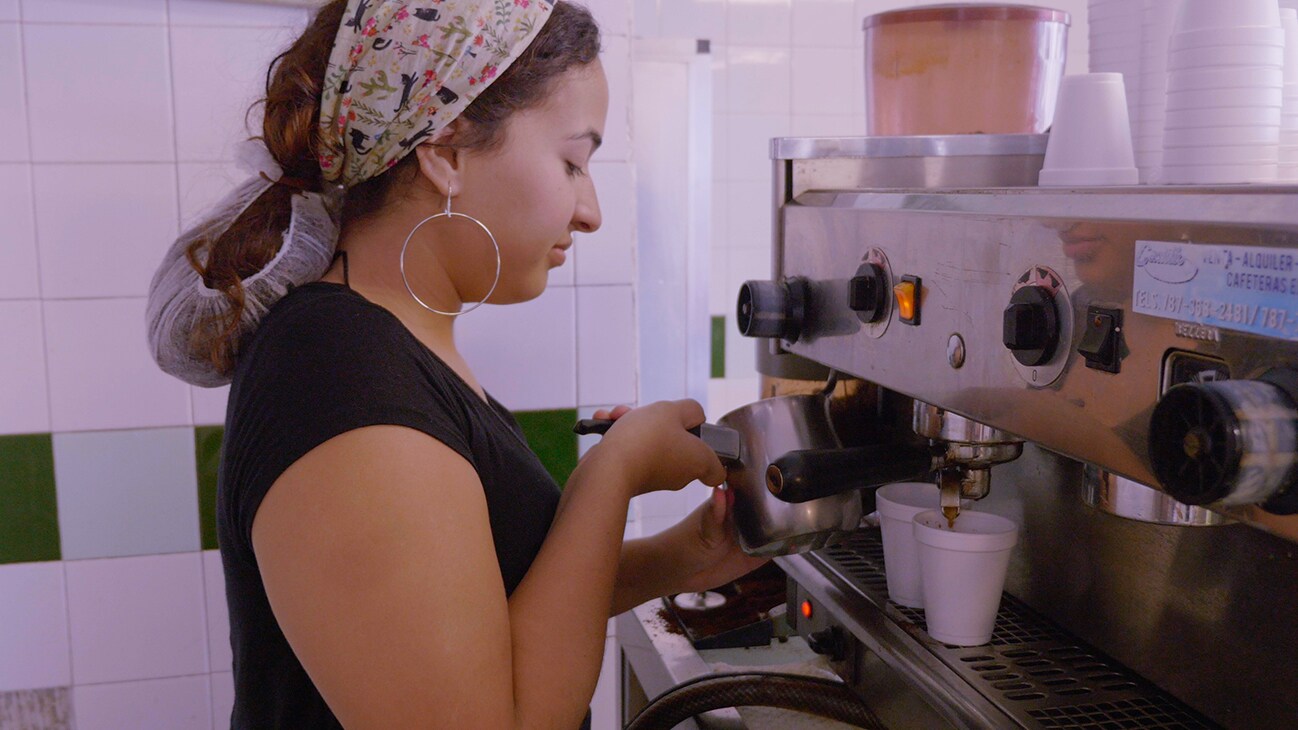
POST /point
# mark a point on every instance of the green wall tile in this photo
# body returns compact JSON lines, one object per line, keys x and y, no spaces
{"x":550,"y":435}
{"x":718,"y":347}
{"x":207,"y":452}
{"x":29,"y":518}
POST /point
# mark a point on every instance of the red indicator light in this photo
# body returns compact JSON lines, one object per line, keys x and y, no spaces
{"x":806,"y":609}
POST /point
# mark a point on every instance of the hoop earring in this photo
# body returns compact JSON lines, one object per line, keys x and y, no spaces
{"x":401,"y":261}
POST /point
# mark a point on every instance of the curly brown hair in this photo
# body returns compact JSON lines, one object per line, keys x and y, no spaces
{"x":294,"y":80}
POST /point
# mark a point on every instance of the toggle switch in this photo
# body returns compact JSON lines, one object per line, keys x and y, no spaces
{"x":1102,"y":339}
{"x":908,"y":296}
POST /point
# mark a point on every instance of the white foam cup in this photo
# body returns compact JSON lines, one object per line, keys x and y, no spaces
{"x":1090,"y":142}
{"x":1219,"y":174}
{"x":1214,"y":14}
{"x":1271,"y":37}
{"x":1224,"y":117}
{"x":963,"y":572}
{"x":898,"y":504}
{"x":1255,"y":154}
{"x":1251,"y":98}
{"x":1225,"y":55}
{"x":1226,"y":77}
{"x":1221,"y":136}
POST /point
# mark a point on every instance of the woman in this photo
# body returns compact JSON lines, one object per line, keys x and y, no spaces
{"x":395,"y":556}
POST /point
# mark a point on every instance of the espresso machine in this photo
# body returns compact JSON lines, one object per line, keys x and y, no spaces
{"x":1115,"y":369}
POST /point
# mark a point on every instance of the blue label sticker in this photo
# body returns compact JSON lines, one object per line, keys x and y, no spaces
{"x":1245,"y":288}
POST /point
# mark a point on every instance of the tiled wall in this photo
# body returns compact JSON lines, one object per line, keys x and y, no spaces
{"x":119,"y":122}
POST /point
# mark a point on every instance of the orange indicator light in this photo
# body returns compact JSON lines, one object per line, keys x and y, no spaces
{"x":806,"y":609}
{"x":905,"y":293}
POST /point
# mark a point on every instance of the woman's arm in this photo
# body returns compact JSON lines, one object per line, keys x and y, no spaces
{"x":378,"y":560}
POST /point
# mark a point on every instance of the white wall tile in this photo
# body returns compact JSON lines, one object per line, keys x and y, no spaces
{"x":177,"y":703}
{"x":209,"y":405}
{"x":222,"y":699}
{"x":220,"y":656}
{"x":758,"y":79}
{"x":525,"y":355}
{"x":118,"y":12}
{"x":824,"y":81}
{"x":116,"y":111}
{"x":219,"y":73}
{"x":750,"y":145}
{"x":24,"y":392}
{"x":825,"y":24}
{"x":720,"y":53}
{"x":720,"y":148}
{"x":604,"y":713}
{"x":613,"y":16}
{"x":564,"y":275}
{"x":33,"y":627}
{"x":221,"y":12}
{"x":19,"y":277}
{"x":719,"y":295}
{"x":758,"y":22}
{"x":607,"y":256}
{"x":126,"y":492}
{"x":615,"y":56}
{"x":204,"y":184}
{"x":101,"y":373}
{"x":606,"y":345}
{"x":749,"y":210}
{"x":833,"y":125}
{"x":110,"y":241}
{"x":136,"y":618}
{"x":13,"y":143}
{"x":8,"y":10}
{"x":693,"y":19}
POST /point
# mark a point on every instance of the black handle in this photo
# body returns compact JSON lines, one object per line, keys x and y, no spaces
{"x":724,"y":441}
{"x":800,"y":476}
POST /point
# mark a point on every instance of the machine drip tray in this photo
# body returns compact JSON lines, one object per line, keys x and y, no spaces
{"x":1034,"y":671}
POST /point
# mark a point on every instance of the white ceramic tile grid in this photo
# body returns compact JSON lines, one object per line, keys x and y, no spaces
{"x":525,"y":354}
{"x":123,"y":493}
{"x":825,"y":24}
{"x":585,"y":442}
{"x":606,"y":345}
{"x":33,"y":627}
{"x":222,"y":684}
{"x":693,"y":19}
{"x":745,"y":263}
{"x":13,"y":143}
{"x":565,"y":275}
{"x":659,"y":505}
{"x":24,"y":391}
{"x":19,"y":275}
{"x":604,"y":714}
{"x":219,"y":73}
{"x":831,"y":125}
{"x":653,"y":525}
{"x":719,"y":295}
{"x":632,"y":529}
{"x":644,"y":18}
{"x":827,"y":81}
{"x":222,"y":12}
{"x":613,"y":16}
{"x":9,"y":11}
{"x":202,"y":185}
{"x":758,"y":79}
{"x":118,"y":12}
{"x":101,"y":374}
{"x":220,"y":657}
{"x":131,"y":96}
{"x":136,"y":618}
{"x":607,"y":256}
{"x":749,"y":210}
{"x":866,"y":8}
{"x":177,"y":703}
{"x":720,"y":53}
{"x":615,"y":55}
{"x":720,"y":148}
{"x":749,"y":146}
{"x":101,"y":229}
{"x":758,"y":22}
{"x":209,"y":405}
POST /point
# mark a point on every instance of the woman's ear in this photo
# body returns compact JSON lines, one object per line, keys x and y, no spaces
{"x":440,"y":162}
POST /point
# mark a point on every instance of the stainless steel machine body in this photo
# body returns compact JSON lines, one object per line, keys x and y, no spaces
{"x":1131,"y":623}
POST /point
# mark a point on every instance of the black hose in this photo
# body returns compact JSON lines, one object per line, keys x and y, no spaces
{"x":813,"y":695}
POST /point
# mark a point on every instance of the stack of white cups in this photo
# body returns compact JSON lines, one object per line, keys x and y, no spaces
{"x":1224,"y":93}
{"x":1288,"y":170}
{"x":1114,"y":30}
{"x":1151,"y":110}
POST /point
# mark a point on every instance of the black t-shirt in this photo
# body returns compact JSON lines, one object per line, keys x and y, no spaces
{"x":322,"y":362}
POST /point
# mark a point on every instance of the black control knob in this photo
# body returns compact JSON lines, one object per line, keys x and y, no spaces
{"x":772,"y":308}
{"x":1232,"y":442}
{"x":1031,"y":326}
{"x":829,"y":642}
{"x":868,"y":293}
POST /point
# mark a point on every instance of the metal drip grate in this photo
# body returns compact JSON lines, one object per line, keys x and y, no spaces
{"x":1035,"y":671}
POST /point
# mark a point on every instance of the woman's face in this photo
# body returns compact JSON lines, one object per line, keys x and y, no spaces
{"x":535,"y":190}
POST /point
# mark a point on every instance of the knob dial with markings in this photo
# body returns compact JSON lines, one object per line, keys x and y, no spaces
{"x":1031,"y":325}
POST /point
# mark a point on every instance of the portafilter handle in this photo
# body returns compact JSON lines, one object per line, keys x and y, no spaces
{"x":724,"y":441}
{"x":801,"y":476}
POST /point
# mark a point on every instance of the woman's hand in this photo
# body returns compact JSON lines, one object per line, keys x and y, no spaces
{"x":705,"y":547}
{"x":653,"y":444}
